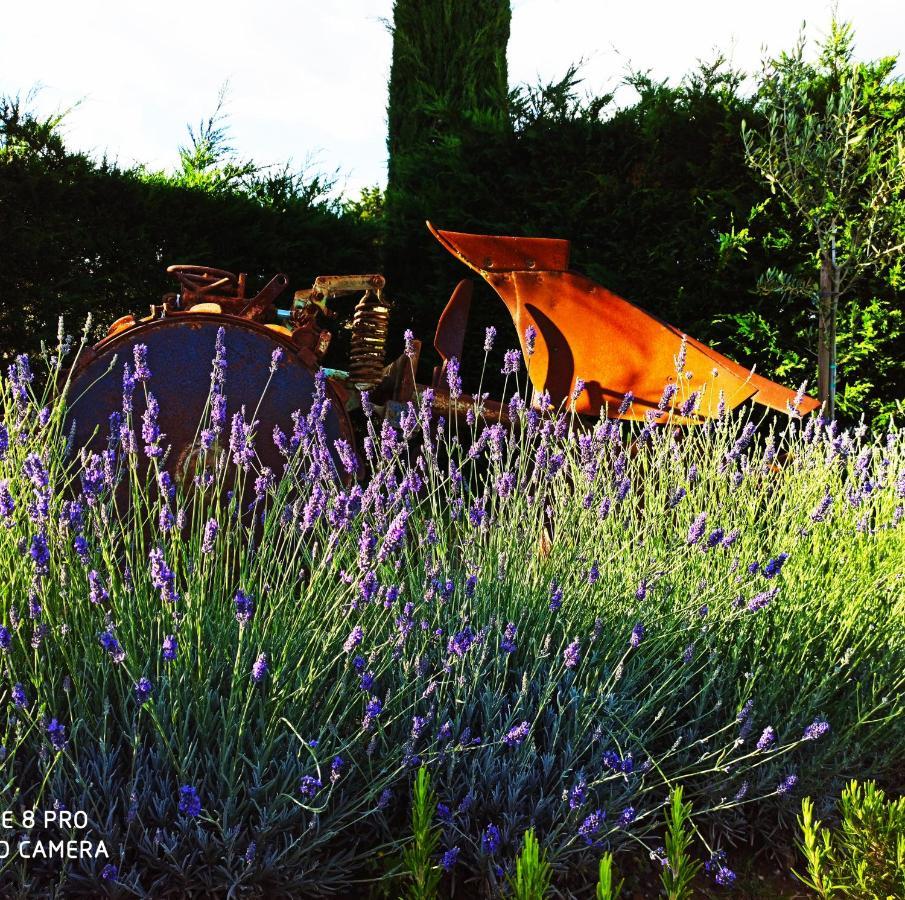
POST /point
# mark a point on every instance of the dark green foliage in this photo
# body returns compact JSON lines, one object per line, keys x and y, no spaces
{"x":679,"y":872}
{"x":82,"y":236}
{"x":418,"y":856}
{"x":448,"y":121}
{"x":864,"y":856}
{"x":830,"y":153}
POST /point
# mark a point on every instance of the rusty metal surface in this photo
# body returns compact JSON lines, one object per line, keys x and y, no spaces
{"x":450,"y":335}
{"x":587,"y":332}
{"x":202,"y":284}
{"x":180,"y":350}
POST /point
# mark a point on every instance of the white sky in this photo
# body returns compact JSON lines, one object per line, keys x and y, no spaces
{"x":308,"y":79}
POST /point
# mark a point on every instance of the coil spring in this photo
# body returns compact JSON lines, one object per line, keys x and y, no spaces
{"x":370,"y":326}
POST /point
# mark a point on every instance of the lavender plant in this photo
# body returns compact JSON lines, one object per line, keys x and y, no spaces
{"x":237,"y":673}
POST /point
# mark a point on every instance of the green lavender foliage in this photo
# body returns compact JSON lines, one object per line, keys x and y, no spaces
{"x":418,"y":857}
{"x":863,"y":855}
{"x":609,"y":885}
{"x":680,"y":869}
{"x":505,"y":733}
{"x":532,"y":871}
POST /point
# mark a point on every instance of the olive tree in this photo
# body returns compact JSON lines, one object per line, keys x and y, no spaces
{"x":831,"y":152}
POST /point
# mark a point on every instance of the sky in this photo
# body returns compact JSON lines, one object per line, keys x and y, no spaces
{"x":307,"y":80}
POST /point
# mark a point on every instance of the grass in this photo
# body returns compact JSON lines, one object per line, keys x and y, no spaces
{"x":541,"y":619}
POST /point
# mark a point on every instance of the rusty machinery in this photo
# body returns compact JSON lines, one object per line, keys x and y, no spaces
{"x":583,"y":332}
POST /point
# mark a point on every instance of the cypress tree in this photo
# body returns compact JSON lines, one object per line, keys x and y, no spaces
{"x":448,"y":110}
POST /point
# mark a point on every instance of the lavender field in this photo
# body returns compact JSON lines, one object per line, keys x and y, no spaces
{"x":236,"y":673}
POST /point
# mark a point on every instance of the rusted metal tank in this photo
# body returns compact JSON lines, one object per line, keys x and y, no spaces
{"x":270,"y":369}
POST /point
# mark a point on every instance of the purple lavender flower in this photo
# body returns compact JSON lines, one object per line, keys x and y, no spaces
{"x":409,"y":338}
{"x":591,"y":826}
{"x":489,"y":338}
{"x":724,"y":876}
{"x":366,"y":682}
{"x":259,"y":669}
{"x":162,"y":576}
{"x":572,"y":654}
{"x":309,"y":786}
{"x":57,"y":733}
{"x":112,"y":646}
{"x":460,"y":642}
{"x":759,"y":601}
{"x":140,"y":354}
{"x":150,"y":430}
{"x":627,"y":400}
{"x":275,"y":359}
{"x":637,"y":635}
{"x":530,"y":340}
{"x":515,"y":737}
{"x":245,"y":607}
{"x":110,"y":872}
{"x":336,"y":767}
{"x":346,"y":455}
{"x":143,"y":689}
{"x":241,"y":440}
{"x":555,"y":596}
{"x":774,"y":566}
{"x":746,"y":710}
{"x":785,"y":786}
{"x":20,"y":698}
{"x":40,"y":553}
{"x":354,"y":639}
{"x":627,"y":816}
{"x":170,"y":646}
{"x":189,"y":801}
{"x":687,"y":406}
{"x":373,"y":708}
{"x":577,"y":795}
{"x":820,"y":513}
{"x":490,"y":839}
{"x":511,"y":361}
{"x":96,"y":592}
{"x":675,"y":498}
{"x":6,"y":638}
{"x":696,"y":530}
{"x":449,"y":859}
{"x":210,"y":536}
{"x":666,"y":397}
{"x":815,"y":730}
{"x":7,"y":504}
{"x":767,"y":739}
{"x":688,"y":655}
{"x":714,"y":539}
{"x":508,"y":644}
{"x":80,"y":545}
{"x":452,"y":378}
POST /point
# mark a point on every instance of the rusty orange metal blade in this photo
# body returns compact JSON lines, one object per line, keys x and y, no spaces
{"x":587,"y":332}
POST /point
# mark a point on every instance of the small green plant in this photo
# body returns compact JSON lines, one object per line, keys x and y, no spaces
{"x":608,"y":888}
{"x":418,"y":857}
{"x":532,"y":871}
{"x":864,"y":856}
{"x":680,"y":869}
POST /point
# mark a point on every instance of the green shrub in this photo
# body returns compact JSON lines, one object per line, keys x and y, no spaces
{"x":863,"y":856}
{"x":532,"y":871}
